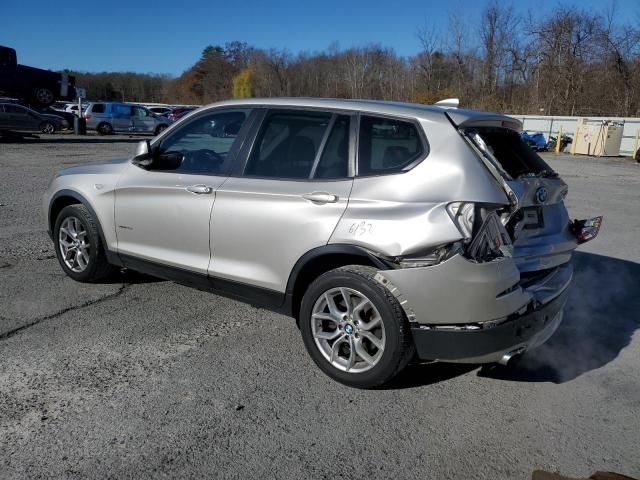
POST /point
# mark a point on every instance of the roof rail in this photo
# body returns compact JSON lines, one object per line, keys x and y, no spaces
{"x":448,"y":103}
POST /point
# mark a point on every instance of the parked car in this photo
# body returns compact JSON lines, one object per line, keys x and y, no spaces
{"x":535,"y":140}
{"x":33,"y":85}
{"x":16,"y":117}
{"x":69,"y":117}
{"x":109,"y":117}
{"x":73,"y":108}
{"x":160,"y":110}
{"x":180,"y":112}
{"x":449,"y":242}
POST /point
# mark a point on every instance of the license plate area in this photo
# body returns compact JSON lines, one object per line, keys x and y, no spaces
{"x":527,"y":218}
{"x":533,"y":218}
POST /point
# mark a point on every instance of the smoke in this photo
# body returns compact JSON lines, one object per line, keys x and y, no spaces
{"x":600,"y":318}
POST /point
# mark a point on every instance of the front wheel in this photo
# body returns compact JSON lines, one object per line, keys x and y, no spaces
{"x":78,"y":245}
{"x":354,"y":328}
{"x":47,"y":127}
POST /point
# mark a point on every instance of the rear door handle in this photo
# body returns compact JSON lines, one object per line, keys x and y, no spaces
{"x":320,"y":197}
{"x":199,"y":189}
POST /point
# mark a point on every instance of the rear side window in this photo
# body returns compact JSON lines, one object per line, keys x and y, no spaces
{"x":98,"y":108}
{"x":507,"y":147}
{"x":139,"y":112}
{"x":387,"y":145}
{"x":287,"y":145}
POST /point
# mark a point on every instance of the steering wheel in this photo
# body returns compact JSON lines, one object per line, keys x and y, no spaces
{"x":202,"y":160}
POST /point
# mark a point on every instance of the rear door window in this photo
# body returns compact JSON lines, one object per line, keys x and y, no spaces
{"x":387,"y":145}
{"x":97,"y":108}
{"x":334,"y":161}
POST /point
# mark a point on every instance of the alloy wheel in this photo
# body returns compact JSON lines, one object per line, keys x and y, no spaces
{"x":73,"y":241}
{"x":348,"y":330}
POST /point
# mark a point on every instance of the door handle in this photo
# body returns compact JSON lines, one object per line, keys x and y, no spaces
{"x":320,"y":197}
{"x":199,"y":189}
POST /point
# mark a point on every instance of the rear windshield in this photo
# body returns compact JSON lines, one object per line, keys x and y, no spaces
{"x":514,"y":156}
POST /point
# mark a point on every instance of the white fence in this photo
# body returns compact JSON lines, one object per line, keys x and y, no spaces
{"x":551,"y":125}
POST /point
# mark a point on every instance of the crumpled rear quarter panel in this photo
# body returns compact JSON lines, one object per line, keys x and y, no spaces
{"x":402,"y":213}
{"x":457,"y":291}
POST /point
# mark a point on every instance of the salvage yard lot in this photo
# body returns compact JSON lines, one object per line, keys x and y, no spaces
{"x":146,"y":378}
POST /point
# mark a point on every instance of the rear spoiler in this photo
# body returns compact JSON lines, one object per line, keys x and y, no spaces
{"x":469,"y":118}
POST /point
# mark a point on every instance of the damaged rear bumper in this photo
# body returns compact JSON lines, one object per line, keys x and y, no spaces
{"x":477,"y":312}
{"x":491,"y":344}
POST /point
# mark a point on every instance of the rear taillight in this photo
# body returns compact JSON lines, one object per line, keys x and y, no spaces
{"x":485,"y":237}
{"x":87,"y":117}
{"x":586,"y":230}
{"x":492,"y":241}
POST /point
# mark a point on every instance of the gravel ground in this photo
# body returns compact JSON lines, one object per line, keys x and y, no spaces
{"x":146,"y":378}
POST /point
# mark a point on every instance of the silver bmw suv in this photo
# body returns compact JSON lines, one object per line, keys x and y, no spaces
{"x":391,"y":232}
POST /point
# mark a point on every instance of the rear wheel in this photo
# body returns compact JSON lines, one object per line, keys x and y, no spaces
{"x":104,"y":128}
{"x":79,"y":248}
{"x":354,"y":328}
{"x":47,"y":127}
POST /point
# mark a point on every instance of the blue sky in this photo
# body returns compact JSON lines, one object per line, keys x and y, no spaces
{"x":168,"y":36}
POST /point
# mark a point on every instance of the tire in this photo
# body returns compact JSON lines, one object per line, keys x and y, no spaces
{"x":104,"y":128}
{"x":160,"y":128}
{"x":90,"y":262}
{"x":47,"y":127}
{"x":43,"y":96}
{"x":391,"y":329}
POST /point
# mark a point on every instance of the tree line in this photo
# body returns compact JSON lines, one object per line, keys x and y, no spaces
{"x":569,"y":62}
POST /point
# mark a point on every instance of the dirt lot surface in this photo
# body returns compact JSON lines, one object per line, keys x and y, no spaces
{"x":142,"y":378}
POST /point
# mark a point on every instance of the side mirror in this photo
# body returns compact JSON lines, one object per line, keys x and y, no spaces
{"x":144,"y":155}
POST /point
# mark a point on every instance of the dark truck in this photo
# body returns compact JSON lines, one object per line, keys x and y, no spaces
{"x":33,"y":85}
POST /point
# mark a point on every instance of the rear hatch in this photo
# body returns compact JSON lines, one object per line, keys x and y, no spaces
{"x":536,"y":220}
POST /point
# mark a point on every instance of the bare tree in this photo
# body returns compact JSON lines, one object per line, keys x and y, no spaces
{"x":568,"y":61}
